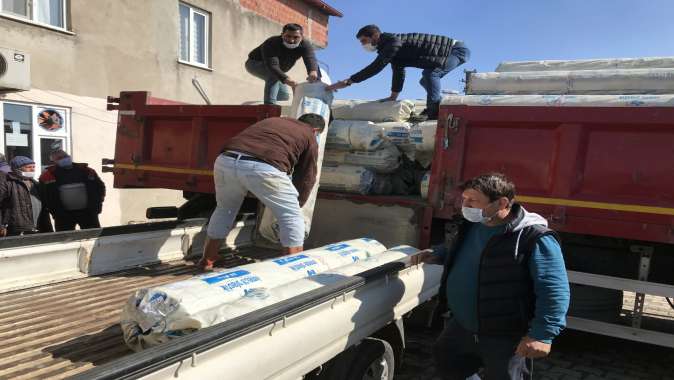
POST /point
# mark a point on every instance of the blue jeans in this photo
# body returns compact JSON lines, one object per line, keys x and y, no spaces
{"x":430,"y":78}
{"x":274,"y":90}
{"x":234,"y":178}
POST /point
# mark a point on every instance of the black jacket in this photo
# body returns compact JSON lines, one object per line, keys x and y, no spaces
{"x":424,"y":51}
{"x":279,"y":59}
{"x":16,"y":209}
{"x":54,"y":177}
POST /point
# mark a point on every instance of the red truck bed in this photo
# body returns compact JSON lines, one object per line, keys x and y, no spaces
{"x":606,"y":171}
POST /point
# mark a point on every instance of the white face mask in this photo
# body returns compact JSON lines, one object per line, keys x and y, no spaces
{"x":476,"y":215}
{"x":291,"y":46}
{"x":369,"y":47}
{"x":27,"y":174}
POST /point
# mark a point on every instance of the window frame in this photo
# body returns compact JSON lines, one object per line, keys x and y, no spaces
{"x":31,"y":18}
{"x":37,"y":132}
{"x":207,"y":36}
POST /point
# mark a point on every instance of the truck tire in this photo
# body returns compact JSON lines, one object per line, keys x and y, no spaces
{"x":374,"y":360}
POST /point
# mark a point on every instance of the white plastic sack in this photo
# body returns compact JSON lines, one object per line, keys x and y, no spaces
{"x":354,"y":135}
{"x":582,"y":82}
{"x":347,"y":178}
{"x":423,"y":187}
{"x":308,"y":98}
{"x":386,"y":159}
{"x":396,"y":132}
{"x":374,"y":111}
{"x":156,"y":315}
{"x":563,"y":100}
{"x":423,"y":137}
{"x":588,"y":64}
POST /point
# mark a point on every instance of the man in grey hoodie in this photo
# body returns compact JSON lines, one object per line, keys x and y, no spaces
{"x":505,"y":286}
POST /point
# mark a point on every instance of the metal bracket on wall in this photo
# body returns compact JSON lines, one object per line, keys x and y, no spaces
{"x":646,"y":252}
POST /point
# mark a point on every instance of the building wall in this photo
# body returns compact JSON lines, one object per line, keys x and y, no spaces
{"x":117,"y":45}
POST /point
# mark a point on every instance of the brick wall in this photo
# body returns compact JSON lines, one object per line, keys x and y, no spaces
{"x":314,"y":21}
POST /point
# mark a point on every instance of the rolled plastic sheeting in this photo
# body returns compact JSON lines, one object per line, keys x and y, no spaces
{"x":374,"y":111}
{"x":425,"y":183}
{"x":308,"y":98}
{"x":348,"y":179}
{"x":156,"y":315}
{"x":423,"y":138}
{"x":563,"y":100}
{"x":354,"y":135}
{"x":386,"y":159}
{"x":587,"y":82}
{"x":588,"y":64}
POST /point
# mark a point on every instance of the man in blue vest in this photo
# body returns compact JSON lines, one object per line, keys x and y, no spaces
{"x":505,"y":285}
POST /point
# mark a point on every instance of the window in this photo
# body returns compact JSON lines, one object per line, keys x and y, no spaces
{"x":194,"y":35}
{"x":33,"y":131}
{"x":45,"y":12}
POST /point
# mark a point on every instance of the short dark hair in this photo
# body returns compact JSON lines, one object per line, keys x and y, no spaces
{"x":292,"y":27}
{"x":493,"y":185}
{"x":368,"y":31}
{"x":316,"y":121}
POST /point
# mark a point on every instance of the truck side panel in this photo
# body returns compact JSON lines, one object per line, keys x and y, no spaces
{"x":592,"y":170}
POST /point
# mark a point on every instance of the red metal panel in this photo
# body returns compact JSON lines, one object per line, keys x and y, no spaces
{"x":595,"y":170}
{"x":166,"y":144}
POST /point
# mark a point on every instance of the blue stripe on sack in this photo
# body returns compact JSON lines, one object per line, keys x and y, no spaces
{"x":225,"y":276}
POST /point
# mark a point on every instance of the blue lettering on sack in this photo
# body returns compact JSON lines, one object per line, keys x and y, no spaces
{"x":311,"y":272}
{"x":355,"y":258}
{"x":336,"y":247}
{"x":225,"y":276}
{"x":288,"y":260}
{"x":300,"y":266}
{"x":239,"y":283}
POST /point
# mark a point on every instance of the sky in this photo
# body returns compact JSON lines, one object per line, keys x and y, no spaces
{"x":495,"y":31}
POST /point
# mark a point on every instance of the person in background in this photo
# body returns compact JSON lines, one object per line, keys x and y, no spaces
{"x":436,"y":55}
{"x":276,"y":56}
{"x":4,"y":166}
{"x":259,"y":160}
{"x":505,"y":285}
{"x":73,"y":193}
{"x":21,"y":209}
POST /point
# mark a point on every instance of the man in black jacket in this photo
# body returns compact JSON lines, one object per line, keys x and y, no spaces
{"x":72,"y":192}
{"x":436,"y":55}
{"x":276,"y":56}
{"x":21,"y":209}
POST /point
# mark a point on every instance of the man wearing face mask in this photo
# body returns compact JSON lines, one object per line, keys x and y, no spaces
{"x":436,"y":55}
{"x":505,"y":285}
{"x":260,"y":160}
{"x":276,"y":56}
{"x":21,"y":208}
{"x":73,"y":193}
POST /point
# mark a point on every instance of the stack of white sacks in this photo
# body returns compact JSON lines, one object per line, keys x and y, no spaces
{"x":373,"y":149}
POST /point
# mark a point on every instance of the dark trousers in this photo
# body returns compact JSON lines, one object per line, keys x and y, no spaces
{"x":431,"y":78}
{"x":460,"y":354}
{"x":84,"y":218}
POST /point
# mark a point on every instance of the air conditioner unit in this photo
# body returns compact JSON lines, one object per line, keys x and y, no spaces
{"x":14,"y":70}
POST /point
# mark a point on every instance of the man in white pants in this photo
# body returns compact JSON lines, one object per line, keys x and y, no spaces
{"x":261,"y":159}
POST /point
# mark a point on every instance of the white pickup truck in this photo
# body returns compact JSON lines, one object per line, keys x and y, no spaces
{"x":61,"y":295}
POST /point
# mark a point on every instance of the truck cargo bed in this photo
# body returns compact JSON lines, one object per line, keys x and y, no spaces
{"x":59,"y":330}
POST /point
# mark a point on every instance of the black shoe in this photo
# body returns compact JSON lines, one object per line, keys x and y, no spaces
{"x":418,"y":118}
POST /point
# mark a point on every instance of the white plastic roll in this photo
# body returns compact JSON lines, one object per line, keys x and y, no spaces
{"x":354,"y":135}
{"x":156,"y":315}
{"x":386,"y":159}
{"x":563,"y":100}
{"x":373,"y":110}
{"x":587,"y":64}
{"x":308,"y":98}
{"x":347,"y":178}
{"x":587,"y":82}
